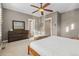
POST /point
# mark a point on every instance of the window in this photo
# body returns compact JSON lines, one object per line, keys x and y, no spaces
{"x":67,"y":29}
{"x":72,"y":26}
{"x":31,"y":25}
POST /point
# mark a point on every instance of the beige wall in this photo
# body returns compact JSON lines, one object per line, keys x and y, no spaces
{"x":0,"y":23}
{"x":9,"y":15}
{"x":0,"y":5}
{"x":67,"y":19}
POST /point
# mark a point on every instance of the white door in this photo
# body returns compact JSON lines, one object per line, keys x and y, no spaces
{"x":48,"y":27}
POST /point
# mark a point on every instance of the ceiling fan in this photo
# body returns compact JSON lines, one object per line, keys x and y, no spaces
{"x":42,"y":8}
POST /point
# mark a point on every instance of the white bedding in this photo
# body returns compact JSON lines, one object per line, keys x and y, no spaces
{"x":56,"y":46}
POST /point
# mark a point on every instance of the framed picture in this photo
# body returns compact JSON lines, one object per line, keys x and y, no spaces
{"x":18,"y":25}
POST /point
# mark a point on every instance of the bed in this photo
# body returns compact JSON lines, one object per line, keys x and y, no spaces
{"x":54,"y":46}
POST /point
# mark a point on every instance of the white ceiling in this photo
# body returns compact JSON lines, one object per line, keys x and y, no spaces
{"x":26,"y":8}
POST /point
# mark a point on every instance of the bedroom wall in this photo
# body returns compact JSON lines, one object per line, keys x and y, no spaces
{"x":67,"y":19}
{"x":9,"y":15}
{"x":0,"y":22}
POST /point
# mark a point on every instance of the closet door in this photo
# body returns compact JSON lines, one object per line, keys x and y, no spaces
{"x":48,"y":26}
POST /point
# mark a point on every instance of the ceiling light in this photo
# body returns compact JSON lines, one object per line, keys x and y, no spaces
{"x":41,"y":10}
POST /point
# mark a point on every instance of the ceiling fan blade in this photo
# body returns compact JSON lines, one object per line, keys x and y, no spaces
{"x":35,"y":11}
{"x":41,"y":5}
{"x":48,"y":10}
{"x":46,"y":5}
{"x":34,"y":6}
{"x":42,"y":13}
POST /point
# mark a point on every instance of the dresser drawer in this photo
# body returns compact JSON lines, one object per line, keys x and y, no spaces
{"x":15,"y":35}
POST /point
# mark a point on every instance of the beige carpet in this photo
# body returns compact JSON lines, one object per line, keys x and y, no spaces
{"x":17,"y":48}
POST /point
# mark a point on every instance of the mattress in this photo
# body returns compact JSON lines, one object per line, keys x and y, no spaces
{"x":56,"y":46}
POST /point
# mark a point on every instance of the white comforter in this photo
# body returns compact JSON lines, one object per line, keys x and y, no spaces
{"x":56,"y":46}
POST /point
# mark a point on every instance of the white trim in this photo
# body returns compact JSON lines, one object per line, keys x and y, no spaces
{"x":43,"y":18}
{"x":48,"y":18}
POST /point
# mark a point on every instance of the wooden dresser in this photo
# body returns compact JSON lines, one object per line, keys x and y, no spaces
{"x":17,"y":35}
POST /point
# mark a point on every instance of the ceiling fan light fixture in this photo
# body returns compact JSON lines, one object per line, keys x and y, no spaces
{"x":41,"y":10}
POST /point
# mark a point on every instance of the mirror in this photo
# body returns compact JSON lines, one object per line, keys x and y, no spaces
{"x":18,"y":25}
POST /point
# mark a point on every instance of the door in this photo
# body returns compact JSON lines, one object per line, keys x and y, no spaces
{"x":48,"y":27}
